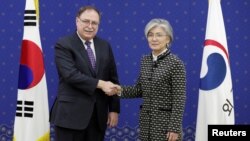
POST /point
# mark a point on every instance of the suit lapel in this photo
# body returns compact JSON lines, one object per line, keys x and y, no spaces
{"x":84,"y":54}
{"x":97,"y":46}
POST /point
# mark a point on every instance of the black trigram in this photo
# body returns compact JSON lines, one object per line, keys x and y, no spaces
{"x":30,"y":18}
{"x":25,"y":109}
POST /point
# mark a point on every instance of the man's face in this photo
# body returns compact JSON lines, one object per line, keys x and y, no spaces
{"x":87,"y":24}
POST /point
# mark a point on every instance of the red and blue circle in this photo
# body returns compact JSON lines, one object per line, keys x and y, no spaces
{"x":217,"y":68}
{"x":31,"y":68}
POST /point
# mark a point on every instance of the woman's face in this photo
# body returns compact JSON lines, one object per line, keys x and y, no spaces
{"x":157,"y":40}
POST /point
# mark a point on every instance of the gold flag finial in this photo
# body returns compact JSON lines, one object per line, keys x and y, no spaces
{"x":37,"y":9}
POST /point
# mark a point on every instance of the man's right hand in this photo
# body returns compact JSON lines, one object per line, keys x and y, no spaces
{"x":108,"y":87}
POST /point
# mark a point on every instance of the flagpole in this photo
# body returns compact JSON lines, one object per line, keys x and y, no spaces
{"x":37,"y":9}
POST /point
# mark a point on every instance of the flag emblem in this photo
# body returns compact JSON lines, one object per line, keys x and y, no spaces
{"x":30,"y":72}
{"x":216,"y":67}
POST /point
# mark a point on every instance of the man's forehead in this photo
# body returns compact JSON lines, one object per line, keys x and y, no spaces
{"x":90,"y":14}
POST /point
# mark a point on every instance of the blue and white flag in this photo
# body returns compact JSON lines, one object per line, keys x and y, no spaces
{"x":32,"y":112}
{"x":215,"y":104}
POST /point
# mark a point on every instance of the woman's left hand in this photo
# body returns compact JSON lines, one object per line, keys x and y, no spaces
{"x":172,"y":136}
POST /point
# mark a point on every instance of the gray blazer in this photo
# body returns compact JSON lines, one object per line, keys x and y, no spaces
{"x":162,"y":87}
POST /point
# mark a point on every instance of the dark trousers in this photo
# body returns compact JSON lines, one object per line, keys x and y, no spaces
{"x":91,"y":133}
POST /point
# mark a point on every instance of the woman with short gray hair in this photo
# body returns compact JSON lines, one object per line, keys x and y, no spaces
{"x":161,"y":85}
{"x":164,"y":24}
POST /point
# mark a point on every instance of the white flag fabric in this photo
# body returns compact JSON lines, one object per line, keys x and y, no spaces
{"x":215,"y":106}
{"x":32,"y":112}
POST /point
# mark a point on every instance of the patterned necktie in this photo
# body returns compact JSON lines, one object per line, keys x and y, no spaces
{"x":90,"y":54}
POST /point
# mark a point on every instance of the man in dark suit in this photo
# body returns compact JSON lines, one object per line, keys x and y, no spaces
{"x":87,"y":79}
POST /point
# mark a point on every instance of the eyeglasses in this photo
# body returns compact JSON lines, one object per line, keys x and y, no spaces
{"x":88,"y":22}
{"x":157,"y":35}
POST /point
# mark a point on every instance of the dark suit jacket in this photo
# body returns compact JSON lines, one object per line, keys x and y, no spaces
{"x":77,"y":92}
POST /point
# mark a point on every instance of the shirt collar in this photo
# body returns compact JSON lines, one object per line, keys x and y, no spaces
{"x":83,"y":41}
{"x":156,"y":56}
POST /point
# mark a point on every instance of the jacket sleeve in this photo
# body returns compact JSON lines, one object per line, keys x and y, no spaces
{"x":134,"y":91}
{"x":114,"y":101}
{"x":179,"y":96}
{"x":68,"y":71}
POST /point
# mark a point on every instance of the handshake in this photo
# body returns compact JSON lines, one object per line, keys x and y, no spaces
{"x":109,"y":88}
